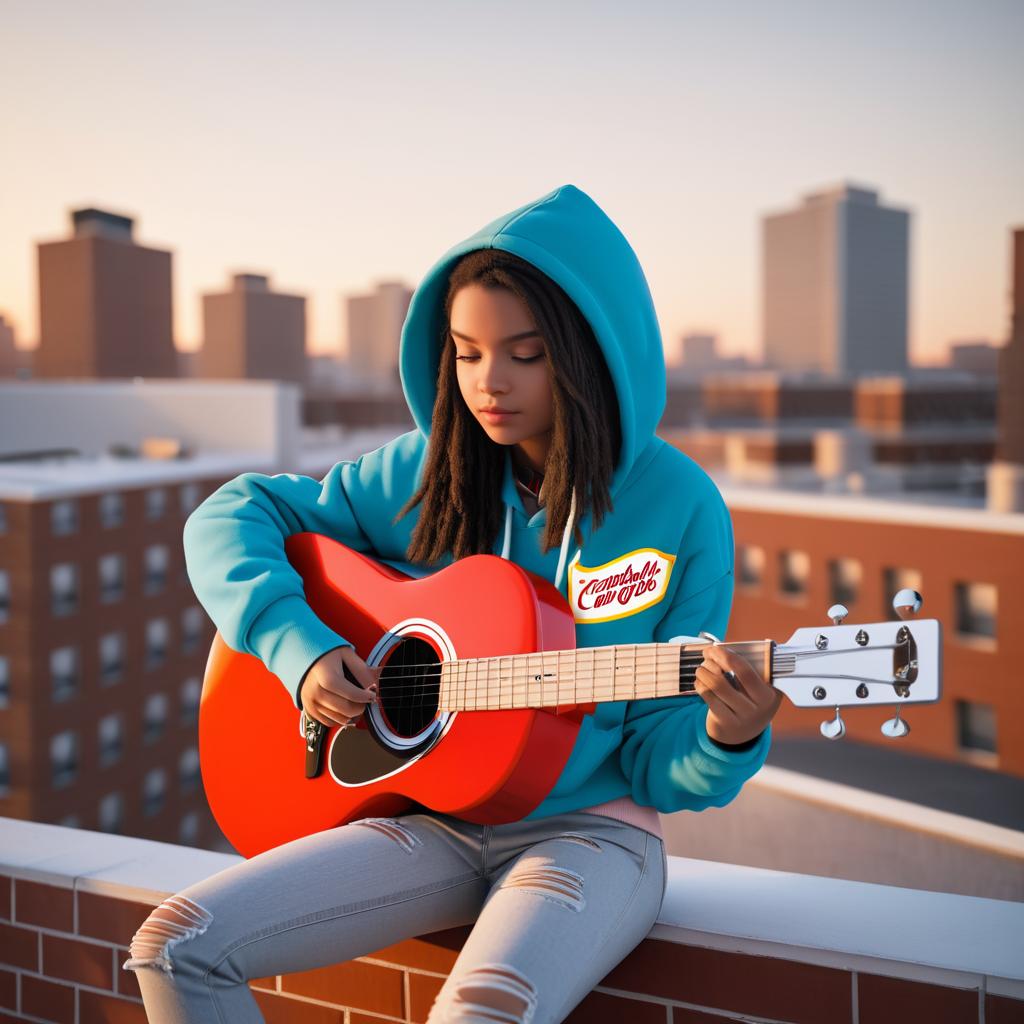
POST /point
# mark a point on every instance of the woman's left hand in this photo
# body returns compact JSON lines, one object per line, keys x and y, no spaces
{"x":738,"y":711}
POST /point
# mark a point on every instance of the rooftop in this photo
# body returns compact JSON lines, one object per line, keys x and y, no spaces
{"x":917,"y":509}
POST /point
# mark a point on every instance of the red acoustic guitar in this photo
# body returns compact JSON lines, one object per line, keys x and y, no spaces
{"x":482,"y":693}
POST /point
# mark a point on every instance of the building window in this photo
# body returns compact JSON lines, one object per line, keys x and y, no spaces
{"x":749,"y":565}
{"x":111,"y":510}
{"x":154,"y":788}
{"x":111,"y":738}
{"x":188,"y":770}
{"x":976,"y":607}
{"x":5,"y":595}
{"x":156,"y":503}
{"x":111,"y":657}
{"x":112,"y":813}
{"x":157,"y":558}
{"x":5,"y":771}
{"x":154,"y":717}
{"x":63,"y":673}
{"x":794,"y":572}
{"x":190,"y":693}
{"x":896,"y":580}
{"x":844,"y":576}
{"x":111,"y":577}
{"x":5,"y":681}
{"x":188,"y":830}
{"x":64,"y":588}
{"x":157,"y":636}
{"x":64,"y":517}
{"x":64,"y":758}
{"x":3,"y":517}
{"x":189,"y":496}
{"x":976,"y":726}
{"x":191,"y":628}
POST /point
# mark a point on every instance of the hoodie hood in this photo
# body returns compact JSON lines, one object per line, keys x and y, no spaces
{"x":570,"y":238}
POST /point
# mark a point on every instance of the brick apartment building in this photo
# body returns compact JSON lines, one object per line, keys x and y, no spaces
{"x":103,"y":645}
{"x":102,"y":651}
{"x":796,"y":555}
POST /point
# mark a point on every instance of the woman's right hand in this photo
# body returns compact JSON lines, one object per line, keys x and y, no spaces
{"x":329,"y":697}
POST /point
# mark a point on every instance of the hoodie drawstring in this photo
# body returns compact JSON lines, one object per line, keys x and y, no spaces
{"x":566,"y":534}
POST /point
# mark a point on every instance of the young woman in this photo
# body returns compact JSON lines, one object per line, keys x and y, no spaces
{"x":532,"y":364}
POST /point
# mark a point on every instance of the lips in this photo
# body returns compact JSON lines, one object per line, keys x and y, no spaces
{"x":497,"y":409}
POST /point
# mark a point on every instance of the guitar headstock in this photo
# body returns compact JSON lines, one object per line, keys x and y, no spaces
{"x":895,"y":662}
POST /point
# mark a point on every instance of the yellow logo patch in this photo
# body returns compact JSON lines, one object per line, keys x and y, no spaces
{"x":622,"y":587}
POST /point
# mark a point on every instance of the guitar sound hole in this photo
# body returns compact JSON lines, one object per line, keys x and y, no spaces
{"x":409,"y":685}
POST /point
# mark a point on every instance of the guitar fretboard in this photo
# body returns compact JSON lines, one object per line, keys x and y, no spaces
{"x":583,"y":676}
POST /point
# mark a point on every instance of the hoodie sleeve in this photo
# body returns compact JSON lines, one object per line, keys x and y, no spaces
{"x":666,"y":754}
{"x":236,"y":562}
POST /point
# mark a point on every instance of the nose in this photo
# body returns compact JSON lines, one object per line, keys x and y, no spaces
{"x":492,"y":379}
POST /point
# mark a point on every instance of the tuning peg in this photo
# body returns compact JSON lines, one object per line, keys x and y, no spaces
{"x":895,"y":727}
{"x":833,"y":728}
{"x":907,"y":603}
{"x":837,"y":613}
{"x":710,"y":636}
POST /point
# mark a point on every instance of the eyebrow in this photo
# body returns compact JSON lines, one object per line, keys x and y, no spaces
{"x":503,"y":341}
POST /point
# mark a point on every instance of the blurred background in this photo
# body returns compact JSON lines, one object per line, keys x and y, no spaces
{"x":213,"y":217}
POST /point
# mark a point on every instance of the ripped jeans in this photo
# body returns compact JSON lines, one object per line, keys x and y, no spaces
{"x":556,"y":902}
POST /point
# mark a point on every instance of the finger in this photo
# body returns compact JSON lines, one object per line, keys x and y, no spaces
{"x":363,"y":674}
{"x":749,"y":678}
{"x":325,"y":716}
{"x":337,"y":684}
{"x":715,"y":684}
{"x":339,"y":707}
{"x":715,"y":703}
{"x":733,"y":694}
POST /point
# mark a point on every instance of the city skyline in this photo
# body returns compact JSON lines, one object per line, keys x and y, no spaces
{"x":317,"y":150}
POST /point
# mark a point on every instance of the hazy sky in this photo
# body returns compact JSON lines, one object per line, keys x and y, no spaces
{"x":332,"y":145}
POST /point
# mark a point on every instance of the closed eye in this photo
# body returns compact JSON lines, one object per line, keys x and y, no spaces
{"x":517,"y":359}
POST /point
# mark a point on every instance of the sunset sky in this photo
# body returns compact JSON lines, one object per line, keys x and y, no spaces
{"x":332,"y":145}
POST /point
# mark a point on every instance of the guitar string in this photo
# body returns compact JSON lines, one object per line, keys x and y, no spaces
{"x":462,"y":685}
{"x":475,"y":692}
{"x":467,"y":671}
{"x":459,"y":667}
{"x":646,"y":648}
{"x":466,"y":682}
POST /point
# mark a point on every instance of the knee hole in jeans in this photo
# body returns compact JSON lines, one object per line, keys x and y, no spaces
{"x":176,"y":919}
{"x":488,"y":993}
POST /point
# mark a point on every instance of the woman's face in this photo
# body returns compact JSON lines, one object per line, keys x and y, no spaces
{"x":500,"y":362}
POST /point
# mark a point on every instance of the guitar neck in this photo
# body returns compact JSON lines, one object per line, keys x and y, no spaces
{"x":586,"y":675}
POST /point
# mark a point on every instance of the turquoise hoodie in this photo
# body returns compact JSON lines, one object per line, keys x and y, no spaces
{"x":660,"y":567}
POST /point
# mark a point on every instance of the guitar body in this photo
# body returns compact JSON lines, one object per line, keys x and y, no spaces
{"x":487,"y":767}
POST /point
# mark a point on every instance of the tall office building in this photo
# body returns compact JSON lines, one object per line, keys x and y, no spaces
{"x":104,"y":303}
{"x":252,"y":332}
{"x":375,"y":329}
{"x":1006,"y":474}
{"x":835,"y":284}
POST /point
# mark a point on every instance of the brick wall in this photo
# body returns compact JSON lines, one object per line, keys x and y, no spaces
{"x":61,"y":947}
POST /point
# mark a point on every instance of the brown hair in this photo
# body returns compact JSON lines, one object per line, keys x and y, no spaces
{"x":463,"y":510}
